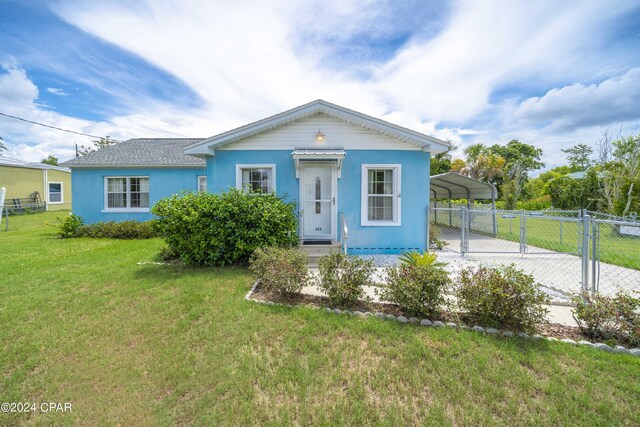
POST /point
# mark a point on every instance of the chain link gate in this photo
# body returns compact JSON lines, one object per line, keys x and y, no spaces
{"x":564,"y":250}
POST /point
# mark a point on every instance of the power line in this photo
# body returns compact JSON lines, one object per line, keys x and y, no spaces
{"x":49,"y":126}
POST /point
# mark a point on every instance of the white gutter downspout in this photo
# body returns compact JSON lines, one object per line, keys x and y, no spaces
{"x":3,"y":193}
{"x":45,"y":176}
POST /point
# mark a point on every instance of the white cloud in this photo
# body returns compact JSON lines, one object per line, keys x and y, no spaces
{"x":16,"y":88}
{"x":579,"y":105}
{"x":244,"y":59}
{"x":57,"y":91}
{"x":486,"y":44}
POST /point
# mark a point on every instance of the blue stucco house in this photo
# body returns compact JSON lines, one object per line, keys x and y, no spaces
{"x":339,"y":165}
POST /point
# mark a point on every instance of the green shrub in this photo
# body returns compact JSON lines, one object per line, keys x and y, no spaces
{"x":280,"y":271}
{"x":501,"y":297}
{"x":69,"y":227}
{"x":606,"y":317}
{"x":417,"y":290}
{"x":343,"y":278}
{"x":594,"y":314}
{"x":535,"y":204}
{"x":226,"y":228}
{"x":434,"y":237}
{"x":118,"y":230}
{"x":416,"y":259}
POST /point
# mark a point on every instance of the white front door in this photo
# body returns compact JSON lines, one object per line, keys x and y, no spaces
{"x":318,"y":201}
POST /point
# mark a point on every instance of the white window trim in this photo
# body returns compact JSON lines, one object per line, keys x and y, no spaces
{"x":61,"y":193}
{"x":106,"y":194}
{"x":364,"y":192}
{"x":199,"y":180}
{"x":239,"y":168}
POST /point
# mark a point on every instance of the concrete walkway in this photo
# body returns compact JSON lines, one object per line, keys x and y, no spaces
{"x":556,"y":271}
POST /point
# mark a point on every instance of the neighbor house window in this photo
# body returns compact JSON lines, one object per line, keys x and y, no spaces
{"x":55,"y":193}
{"x":256,"y":178}
{"x":202,"y":183}
{"x":127,"y":193}
{"x":380,"y":195}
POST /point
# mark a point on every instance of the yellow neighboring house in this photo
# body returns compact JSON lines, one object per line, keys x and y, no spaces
{"x":34,"y":186}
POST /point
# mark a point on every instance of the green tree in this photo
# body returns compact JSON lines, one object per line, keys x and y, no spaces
{"x":579,"y":157}
{"x":520,"y":160}
{"x":98,"y":144}
{"x":483,"y":164}
{"x":50,"y":160}
{"x":526,"y":156}
{"x":571,"y":193}
{"x":2,"y":146}
{"x":458,"y":165}
{"x":441,"y":163}
{"x":619,"y":173}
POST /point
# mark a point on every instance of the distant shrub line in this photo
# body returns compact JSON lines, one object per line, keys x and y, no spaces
{"x":74,"y":226}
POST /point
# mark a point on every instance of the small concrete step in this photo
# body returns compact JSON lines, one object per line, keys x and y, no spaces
{"x":317,"y":251}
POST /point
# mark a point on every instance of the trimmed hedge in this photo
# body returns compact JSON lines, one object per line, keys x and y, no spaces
{"x":417,"y":289}
{"x":281,"y":271}
{"x":502,"y":297}
{"x":343,"y":278}
{"x":226,"y":228}
{"x":74,"y":226}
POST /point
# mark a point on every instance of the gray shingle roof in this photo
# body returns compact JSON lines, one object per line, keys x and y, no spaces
{"x":141,"y":152}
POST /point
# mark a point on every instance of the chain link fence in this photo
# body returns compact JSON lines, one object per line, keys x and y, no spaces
{"x":566,"y":251}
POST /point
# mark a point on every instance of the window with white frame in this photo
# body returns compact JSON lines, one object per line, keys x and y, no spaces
{"x":127,"y":193}
{"x":202,"y":183}
{"x":380,"y":194}
{"x":55,"y":193}
{"x":256,"y":178}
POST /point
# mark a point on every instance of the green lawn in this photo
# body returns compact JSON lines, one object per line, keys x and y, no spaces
{"x":132,"y":344}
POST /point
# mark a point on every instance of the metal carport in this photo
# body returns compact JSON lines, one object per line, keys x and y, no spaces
{"x":452,"y":185}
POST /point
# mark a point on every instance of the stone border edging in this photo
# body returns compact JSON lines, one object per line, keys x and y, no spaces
{"x":439,"y":324}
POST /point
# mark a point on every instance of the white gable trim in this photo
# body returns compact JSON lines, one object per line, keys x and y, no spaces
{"x":207,"y":146}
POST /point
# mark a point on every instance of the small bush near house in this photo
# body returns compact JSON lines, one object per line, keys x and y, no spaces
{"x":418,"y":290}
{"x":280,"y":271}
{"x":605,"y":317}
{"x":417,"y":259}
{"x":501,"y":297}
{"x":434,"y":237}
{"x":226,"y":228}
{"x":74,"y":226}
{"x":69,"y":227}
{"x":118,"y":230}
{"x":343,"y":278}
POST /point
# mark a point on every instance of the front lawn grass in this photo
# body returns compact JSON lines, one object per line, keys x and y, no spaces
{"x":129,"y":344}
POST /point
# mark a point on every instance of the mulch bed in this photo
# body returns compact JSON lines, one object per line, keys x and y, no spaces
{"x":555,"y":330}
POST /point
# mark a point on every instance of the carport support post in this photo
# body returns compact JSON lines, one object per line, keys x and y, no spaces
{"x":595,"y":229}
{"x":493,"y":208}
{"x":523,"y":232}
{"x":585,"y":253}
{"x":463,"y":230}
{"x":3,"y":193}
{"x":428,"y":226}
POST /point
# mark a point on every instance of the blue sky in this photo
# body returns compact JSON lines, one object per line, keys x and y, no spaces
{"x":549,"y":73}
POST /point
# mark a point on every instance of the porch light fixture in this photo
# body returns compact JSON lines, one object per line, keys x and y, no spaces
{"x":319,"y":136}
